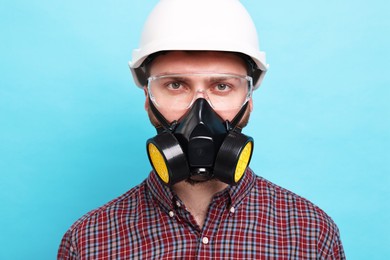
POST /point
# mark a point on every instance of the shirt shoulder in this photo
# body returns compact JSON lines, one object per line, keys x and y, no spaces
{"x":126,"y":203}
{"x":288,"y":201}
{"x":301,"y":217}
{"x":98,"y":221}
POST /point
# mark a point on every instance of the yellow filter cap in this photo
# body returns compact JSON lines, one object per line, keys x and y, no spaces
{"x":243,"y":161}
{"x":158,"y":162}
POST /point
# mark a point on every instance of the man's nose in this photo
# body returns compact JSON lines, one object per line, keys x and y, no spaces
{"x":201,"y":93}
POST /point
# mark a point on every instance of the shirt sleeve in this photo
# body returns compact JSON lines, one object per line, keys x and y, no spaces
{"x":67,"y":249}
{"x":330,"y":245}
{"x":337,"y":251}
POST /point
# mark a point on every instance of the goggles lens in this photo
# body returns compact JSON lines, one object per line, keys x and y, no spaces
{"x":179,"y":91}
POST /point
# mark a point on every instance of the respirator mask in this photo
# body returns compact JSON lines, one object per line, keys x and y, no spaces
{"x":200,"y":145}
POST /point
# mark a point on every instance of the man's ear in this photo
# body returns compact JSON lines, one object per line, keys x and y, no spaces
{"x":250,"y":104}
{"x":146,"y":106}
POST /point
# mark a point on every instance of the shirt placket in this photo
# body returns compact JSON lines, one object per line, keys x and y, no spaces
{"x":217,"y":213}
{"x":184,"y":216}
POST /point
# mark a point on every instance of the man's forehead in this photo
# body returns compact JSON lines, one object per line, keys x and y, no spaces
{"x":197,"y":61}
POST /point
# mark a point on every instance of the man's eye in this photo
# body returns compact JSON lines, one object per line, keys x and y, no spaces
{"x":175,"y":85}
{"x":222,"y":87}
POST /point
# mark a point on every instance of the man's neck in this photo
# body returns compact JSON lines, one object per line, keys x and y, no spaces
{"x":197,"y":197}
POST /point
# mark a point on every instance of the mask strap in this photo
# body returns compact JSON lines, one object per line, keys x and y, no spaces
{"x":233,"y":125}
{"x":165,"y":125}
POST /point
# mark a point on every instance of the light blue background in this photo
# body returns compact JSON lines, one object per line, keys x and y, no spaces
{"x":73,"y":127}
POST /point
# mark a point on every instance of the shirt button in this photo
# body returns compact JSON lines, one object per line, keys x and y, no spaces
{"x":178,"y":204}
{"x":232,"y":210}
{"x":205,"y":240}
{"x":171,"y":214}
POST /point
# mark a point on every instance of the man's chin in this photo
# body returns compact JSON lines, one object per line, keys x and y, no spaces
{"x":199,"y":181}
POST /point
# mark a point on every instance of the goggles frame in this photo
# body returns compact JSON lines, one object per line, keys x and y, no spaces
{"x":247,"y":78}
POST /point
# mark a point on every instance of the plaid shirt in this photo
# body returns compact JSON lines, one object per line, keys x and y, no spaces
{"x":253,"y":220}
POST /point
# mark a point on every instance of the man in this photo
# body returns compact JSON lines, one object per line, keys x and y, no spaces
{"x":198,"y":64}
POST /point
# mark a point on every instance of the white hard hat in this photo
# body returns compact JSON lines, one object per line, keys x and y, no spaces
{"x":199,"y":25}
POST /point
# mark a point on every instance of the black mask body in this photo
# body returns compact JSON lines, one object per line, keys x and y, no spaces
{"x":200,"y":146}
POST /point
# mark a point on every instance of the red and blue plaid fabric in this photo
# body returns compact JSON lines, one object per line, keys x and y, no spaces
{"x":253,"y":220}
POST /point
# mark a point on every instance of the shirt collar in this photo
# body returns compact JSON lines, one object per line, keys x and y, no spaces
{"x":159,"y":191}
{"x":167,"y":198}
{"x":240,"y":191}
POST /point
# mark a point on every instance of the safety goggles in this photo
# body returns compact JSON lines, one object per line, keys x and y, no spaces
{"x":179,"y":91}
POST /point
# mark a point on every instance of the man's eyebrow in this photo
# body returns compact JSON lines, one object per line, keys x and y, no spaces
{"x":172,"y":76}
{"x":175,"y":77}
{"x":223,"y":78}
{"x":191,"y":78}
